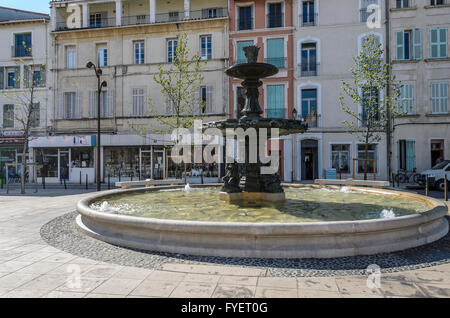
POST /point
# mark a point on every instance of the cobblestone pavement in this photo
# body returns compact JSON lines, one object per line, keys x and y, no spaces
{"x":29,"y":267}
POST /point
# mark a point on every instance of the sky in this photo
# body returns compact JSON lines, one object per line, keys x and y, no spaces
{"x":41,"y":6}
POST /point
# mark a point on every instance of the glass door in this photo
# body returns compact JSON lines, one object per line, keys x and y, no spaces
{"x":146,"y":165}
{"x":64,"y":162}
{"x":158,"y":165}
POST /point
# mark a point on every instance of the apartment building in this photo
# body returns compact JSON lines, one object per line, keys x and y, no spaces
{"x":23,"y":65}
{"x":327,"y":35}
{"x":128,"y":40}
{"x":419,"y":37}
{"x":269,"y":25}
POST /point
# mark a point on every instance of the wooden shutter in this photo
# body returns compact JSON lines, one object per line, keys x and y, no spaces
{"x":400,"y":45}
{"x":17,"y":77}
{"x":43,"y":82}
{"x":417,"y":44}
{"x":27,"y":78}
{"x":92,"y":104}
{"x":209,"y":100}
{"x":434,"y":46}
{"x":443,"y":44}
{"x":2,"y":77}
{"x":410,"y":155}
{"x":78,"y":104}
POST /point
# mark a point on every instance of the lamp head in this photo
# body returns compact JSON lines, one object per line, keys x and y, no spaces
{"x":104,"y":84}
{"x":90,"y":65}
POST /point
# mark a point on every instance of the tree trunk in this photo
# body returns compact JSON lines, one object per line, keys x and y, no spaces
{"x":366,"y":156}
{"x":24,"y":166}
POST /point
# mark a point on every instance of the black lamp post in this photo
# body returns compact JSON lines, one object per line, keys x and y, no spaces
{"x":101,"y":85}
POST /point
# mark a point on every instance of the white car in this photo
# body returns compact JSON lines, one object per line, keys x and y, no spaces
{"x":438,"y":172}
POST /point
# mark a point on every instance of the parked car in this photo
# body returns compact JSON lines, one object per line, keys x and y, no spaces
{"x":436,"y":175}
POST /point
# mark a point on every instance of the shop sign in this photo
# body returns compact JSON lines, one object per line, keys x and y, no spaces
{"x":63,"y":141}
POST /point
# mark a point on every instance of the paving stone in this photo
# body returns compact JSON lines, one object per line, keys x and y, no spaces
{"x":81,"y":284}
{"x":268,"y":292}
{"x":401,"y":289}
{"x":153,"y":288}
{"x":93,"y":295}
{"x":39,"y":268}
{"x":133,"y":273}
{"x":166,"y":276}
{"x":12,"y":266}
{"x":356,"y":286}
{"x":214,"y":270}
{"x":64,"y":294}
{"x":201,"y":278}
{"x":60,"y":258}
{"x":25,"y":293}
{"x":234,"y":291}
{"x":117,"y":286}
{"x":317,"y":293}
{"x":238,"y":280}
{"x":435,"y":290}
{"x":102,"y":271}
{"x":277,"y":282}
{"x":193,"y":290}
{"x":15,"y":280}
{"x":318,"y":283}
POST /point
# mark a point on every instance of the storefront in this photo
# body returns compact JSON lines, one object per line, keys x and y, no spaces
{"x":64,"y":158}
{"x":11,"y":147}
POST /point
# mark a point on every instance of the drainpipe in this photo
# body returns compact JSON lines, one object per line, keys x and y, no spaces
{"x":388,"y":113}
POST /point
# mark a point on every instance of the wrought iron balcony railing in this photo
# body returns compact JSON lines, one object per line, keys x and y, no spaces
{"x":280,"y":62}
{"x":308,"y":69}
{"x":18,"y":51}
{"x":308,"y":20}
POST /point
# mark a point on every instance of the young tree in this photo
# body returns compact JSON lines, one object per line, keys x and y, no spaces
{"x":25,"y":114}
{"x":371,"y":79}
{"x":180,"y":81}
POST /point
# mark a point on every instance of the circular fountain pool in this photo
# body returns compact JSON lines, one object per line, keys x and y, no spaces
{"x":313,"y":222}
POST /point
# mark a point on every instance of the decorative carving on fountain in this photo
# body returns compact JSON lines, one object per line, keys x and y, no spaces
{"x":251,"y":53}
{"x":232,"y":179}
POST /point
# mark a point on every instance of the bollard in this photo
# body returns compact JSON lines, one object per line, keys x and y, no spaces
{"x":393,"y":180}
{"x":7,"y":182}
{"x":1,"y":181}
{"x":87,"y":179}
{"x":119,"y":175}
{"x":398,"y":180}
{"x":80,"y":178}
{"x":445,"y":187}
{"x":43,"y":182}
{"x":109,"y":182}
{"x":427,"y":192}
{"x":131,"y":178}
{"x":65,"y":185}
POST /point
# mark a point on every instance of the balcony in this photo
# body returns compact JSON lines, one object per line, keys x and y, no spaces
{"x":279,"y":62}
{"x":19,"y":51}
{"x":312,"y":120}
{"x":307,"y":70}
{"x":167,"y":17}
{"x":308,"y":20}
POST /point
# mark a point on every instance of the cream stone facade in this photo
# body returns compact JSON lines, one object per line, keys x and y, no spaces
{"x":129,"y":40}
{"x":328,"y":35}
{"x":422,"y":63}
{"x":24,"y":54}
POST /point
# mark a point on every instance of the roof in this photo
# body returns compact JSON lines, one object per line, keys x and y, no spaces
{"x":10,"y":14}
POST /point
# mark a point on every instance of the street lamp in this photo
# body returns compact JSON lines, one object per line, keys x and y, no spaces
{"x":100,"y":86}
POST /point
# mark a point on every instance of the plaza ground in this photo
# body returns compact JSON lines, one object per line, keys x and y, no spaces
{"x":29,"y":267}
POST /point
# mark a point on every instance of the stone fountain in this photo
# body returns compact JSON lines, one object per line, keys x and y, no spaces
{"x":245,"y":181}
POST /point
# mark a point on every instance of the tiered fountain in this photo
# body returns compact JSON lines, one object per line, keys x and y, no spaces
{"x":299,"y":221}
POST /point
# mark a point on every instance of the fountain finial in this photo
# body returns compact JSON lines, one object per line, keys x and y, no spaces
{"x":251,"y":53}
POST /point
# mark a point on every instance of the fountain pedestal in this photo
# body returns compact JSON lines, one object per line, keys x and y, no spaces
{"x":252,"y":197}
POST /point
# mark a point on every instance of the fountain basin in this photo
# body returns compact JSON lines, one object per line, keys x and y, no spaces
{"x":266,"y":240}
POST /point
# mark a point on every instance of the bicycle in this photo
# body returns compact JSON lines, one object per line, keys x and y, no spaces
{"x":404,"y":176}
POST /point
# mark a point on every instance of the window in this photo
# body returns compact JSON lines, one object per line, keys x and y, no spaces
{"x":106,"y":104}
{"x":245,"y":21}
{"x":370,"y":105}
{"x":439,"y":98}
{"x":212,"y":13}
{"x":309,"y":15}
{"x":13,"y":77}
{"x":138,"y":102}
{"x":275,"y":52}
{"x":372,"y":154}
{"x":275,"y":101}
{"x":206,"y":47}
{"x":22,"y":45}
{"x":102,"y":53}
{"x":71,"y":57}
{"x":69,"y":105}
{"x":406,"y":155}
{"x":82,"y":158}
{"x":8,"y":116}
{"x":275,"y":16}
{"x":240,"y":51}
{"x":340,"y":158}
{"x":309,"y":106}
{"x":308,"y":65}
{"x":171,"y":50}
{"x":402,"y":4}
{"x":438,"y":43}
{"x":206,"y":98}
{"x":34,"y":75}
{"x":139,"y":52}
{"x":97,"y":20}
{"x":437,"y":2}
{"x":405,"y":102}
{"x":173,"y":16}
{"x":409,"y":44}
{"x":36,"y":115}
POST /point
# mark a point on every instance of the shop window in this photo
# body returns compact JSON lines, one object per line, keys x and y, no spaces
{"x":82,"y":158}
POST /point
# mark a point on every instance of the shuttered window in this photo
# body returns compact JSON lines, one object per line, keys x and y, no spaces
{"x":405,"y":101}
{"x":275,"y":52}
{"x":439,"y":98}
{"x":206,"y":95}
{"x":275,"y":101}
{"x":438,"y":43}
{"x":138,"y":102}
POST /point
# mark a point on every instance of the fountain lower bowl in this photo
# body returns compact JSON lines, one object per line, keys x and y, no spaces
{"x":265,"y":240}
